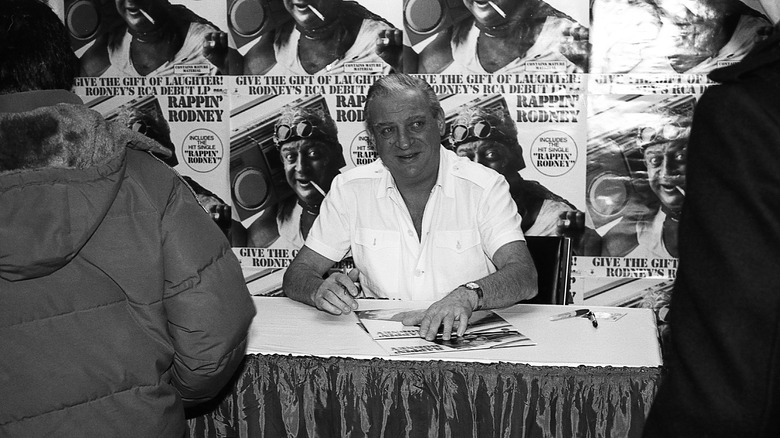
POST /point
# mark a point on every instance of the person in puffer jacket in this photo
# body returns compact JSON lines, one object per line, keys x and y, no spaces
{"x":121,"y":301}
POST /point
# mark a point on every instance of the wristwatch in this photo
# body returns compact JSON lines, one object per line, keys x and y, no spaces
{"x":480,"y":298}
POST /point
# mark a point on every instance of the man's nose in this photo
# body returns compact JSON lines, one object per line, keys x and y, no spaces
{"x":669,"y":167}
{"x":302,"y":163}
{"x":404,"y":139}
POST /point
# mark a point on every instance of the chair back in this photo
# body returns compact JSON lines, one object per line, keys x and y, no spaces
{"x":552,"y":257}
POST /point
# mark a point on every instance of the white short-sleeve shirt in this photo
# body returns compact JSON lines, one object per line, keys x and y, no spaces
{"x":469,"y":215}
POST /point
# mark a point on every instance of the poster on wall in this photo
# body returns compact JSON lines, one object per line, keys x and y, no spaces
{"x":289,"y":136}
{"x":672,"y":37}
{"x":188,"y":115}
{"x":636,"y":175}
{"x":279,"y":38}
{"x":156,"y":38}
{"x":497,"y":36}
{"x":528,"y":127}
{"x":649,"y":64}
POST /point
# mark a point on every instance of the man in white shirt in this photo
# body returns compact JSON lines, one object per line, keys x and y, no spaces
{"x":422,"y":224}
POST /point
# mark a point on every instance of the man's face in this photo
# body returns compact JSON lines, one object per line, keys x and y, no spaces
{"x":695,"y":31}
{"x":307,"y":161}
{"x":311,"y":14}
{"x":666,"y":165}
{"x":492,"y":12}
{"x":137,"y":13}
{"x":407,"y":136}
{"x":487,"y":153}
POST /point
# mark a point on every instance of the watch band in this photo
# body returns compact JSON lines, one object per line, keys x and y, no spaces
{"x":480,"y":297}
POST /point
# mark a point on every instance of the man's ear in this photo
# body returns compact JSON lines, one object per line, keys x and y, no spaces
{"x":442,"y":124}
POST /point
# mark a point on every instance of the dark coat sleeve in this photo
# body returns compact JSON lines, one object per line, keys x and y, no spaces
{"x":725,"y":308}
{"x":208,"y":306}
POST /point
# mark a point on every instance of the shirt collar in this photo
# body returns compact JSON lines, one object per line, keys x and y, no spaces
{"x":443,"y":179}
{"x":30,"y":100}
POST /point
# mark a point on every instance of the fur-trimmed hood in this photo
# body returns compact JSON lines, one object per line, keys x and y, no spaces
{"x":60,"y":169}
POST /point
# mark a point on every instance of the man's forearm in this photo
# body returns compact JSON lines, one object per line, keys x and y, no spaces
{"x":300,"y":283}
{"x":509,"y":285}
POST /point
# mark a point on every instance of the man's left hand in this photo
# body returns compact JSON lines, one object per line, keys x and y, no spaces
{"x":452,"y":311}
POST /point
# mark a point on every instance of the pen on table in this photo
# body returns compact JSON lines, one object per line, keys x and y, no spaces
{"x":592,"y":318}
{"x":572,"y":314}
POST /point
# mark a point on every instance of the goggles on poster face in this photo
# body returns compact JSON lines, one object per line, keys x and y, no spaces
{"x":299,"y":129}
{"x":480,"y":130}
{"x":650,"y":135}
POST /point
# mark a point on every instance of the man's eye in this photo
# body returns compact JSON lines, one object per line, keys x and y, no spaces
{"x":654,"y":161}
{"x":680,"y":157}
{"x":418,"y":125}
{"x":290,"y":157}
{"x":386,"y":132}
{"x":492,"y":155}
{"x":314,"y":153}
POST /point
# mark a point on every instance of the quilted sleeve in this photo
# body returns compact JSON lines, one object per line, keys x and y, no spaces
{"x":208,"y":306}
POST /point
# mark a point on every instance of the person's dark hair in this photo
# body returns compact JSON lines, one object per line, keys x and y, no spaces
{"x":399,"y":82}
{"x":34,"y":48}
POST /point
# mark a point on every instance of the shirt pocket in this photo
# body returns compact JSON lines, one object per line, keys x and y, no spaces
{"x":377,"y":239}
{"x":459,"y":255}
{"x":378,"y":257}
{"x":458,"y":242}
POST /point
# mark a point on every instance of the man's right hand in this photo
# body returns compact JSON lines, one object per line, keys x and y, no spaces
{"x":336,"y":295}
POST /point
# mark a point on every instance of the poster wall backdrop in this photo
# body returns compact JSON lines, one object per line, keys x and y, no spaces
{"x":593,"y":100}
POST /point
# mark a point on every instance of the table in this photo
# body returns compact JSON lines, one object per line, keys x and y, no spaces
{"x":311,"y":374}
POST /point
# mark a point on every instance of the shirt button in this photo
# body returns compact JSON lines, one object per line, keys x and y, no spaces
{"x":410,"y":233}
{"x":419,"y":272}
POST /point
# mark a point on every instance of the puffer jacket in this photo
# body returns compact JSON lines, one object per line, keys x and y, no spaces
{"x":120,"y":300}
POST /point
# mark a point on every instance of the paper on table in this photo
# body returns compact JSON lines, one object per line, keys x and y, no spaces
{"x":486,"y":330}
{"x":386,"y":323}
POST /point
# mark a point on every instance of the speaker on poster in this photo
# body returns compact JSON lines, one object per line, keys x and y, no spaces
{"x":85,"y":20}
{"x":249,"y":19}
{"x":257,"y":178}
{"x":257,"y":174}
{"x":425,"y":18}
